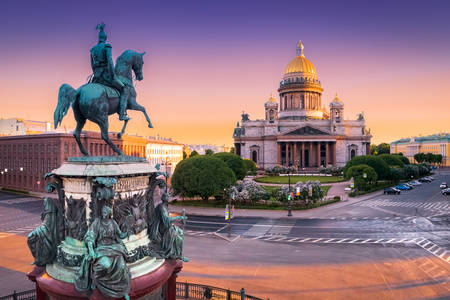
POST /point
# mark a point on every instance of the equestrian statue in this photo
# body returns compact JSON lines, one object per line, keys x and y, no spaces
{"x":110,"y":91}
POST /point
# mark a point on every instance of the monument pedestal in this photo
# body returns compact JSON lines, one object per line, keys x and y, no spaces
{"x":85,"y":185}
{"x":159,"y":284}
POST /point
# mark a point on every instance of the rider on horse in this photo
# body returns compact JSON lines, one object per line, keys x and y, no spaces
{"x":103,"y":68}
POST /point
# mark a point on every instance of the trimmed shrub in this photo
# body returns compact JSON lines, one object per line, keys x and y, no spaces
{"x":234,"y":162}
{"x":202,"y":176}
{"x":392,"y":160}
{"x":411,"y":171}
{"x":250,"y":166}
{"x":379,"y":165}
{"x":404,"y":159}
{"x":357,"y":172}
{"x":397,"y":174}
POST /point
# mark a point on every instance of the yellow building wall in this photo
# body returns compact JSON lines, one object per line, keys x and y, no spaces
{"x":434,"y":148}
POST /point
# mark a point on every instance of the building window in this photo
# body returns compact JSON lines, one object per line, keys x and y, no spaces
{"x":352,"y":153}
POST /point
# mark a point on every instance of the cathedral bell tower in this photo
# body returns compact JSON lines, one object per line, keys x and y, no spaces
{"x":271,"y":108}
{"x":336,"y":114}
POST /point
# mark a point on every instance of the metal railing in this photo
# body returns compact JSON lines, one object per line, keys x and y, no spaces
{"x":187,"y":290}
{"x":25,"y":295}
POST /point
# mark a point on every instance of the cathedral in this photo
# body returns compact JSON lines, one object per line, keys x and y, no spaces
{"x":298,"y":131}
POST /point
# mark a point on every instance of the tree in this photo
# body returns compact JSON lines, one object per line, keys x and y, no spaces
{"x":250,"y":165}
{"x":193,"y":153}
{"x":209,"y":152}
{"x":419,"y":157}
{"x":184,"y":154}
{"x":382,"y":148}
{"x":232,"y":150}
{"x":392,"y":160}
{"x":429,"y":158}
{"x":234,"y":162}
{"x":439,"y":159}
{"x":202,"y":176}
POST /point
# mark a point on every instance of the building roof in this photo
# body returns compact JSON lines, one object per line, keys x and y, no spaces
{"x":434,"y":138}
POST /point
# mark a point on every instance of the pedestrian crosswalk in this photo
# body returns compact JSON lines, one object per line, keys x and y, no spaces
{"x":440,"y":205}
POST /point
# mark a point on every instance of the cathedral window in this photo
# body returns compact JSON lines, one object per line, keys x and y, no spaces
{"x":255,"y":156}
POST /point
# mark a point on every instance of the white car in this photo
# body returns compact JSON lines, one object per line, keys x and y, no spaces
{"x":443,"y":185}
{"x":415,"y":182}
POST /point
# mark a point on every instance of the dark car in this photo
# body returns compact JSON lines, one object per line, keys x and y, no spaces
{"x":425,"y":180}
{"x":446,"y":191}
{"x":391,"y":191}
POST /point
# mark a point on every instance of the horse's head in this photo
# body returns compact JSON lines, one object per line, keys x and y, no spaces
{"x":130,"y":60}
{"x":138,"y":62}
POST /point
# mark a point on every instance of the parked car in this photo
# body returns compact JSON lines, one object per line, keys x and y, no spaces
{"x":424,"y":179}
{"x":410,"y":185}
{"x":391,"y":191}
{"x":403,"y":187}
{"x":415,"y":182}
{"x":446,"y":191}
{"x":430,"y":177}
{"x":443,"y":185}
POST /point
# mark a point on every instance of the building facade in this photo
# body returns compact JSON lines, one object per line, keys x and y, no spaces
{"x":25,"y":159}
{"x":436,"y":144}
{"x":297,"y":130}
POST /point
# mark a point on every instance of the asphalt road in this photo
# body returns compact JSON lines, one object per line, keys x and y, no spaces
{"x":386,"y":247}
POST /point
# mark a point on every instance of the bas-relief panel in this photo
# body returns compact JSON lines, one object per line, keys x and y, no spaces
{"x":127,"y":184}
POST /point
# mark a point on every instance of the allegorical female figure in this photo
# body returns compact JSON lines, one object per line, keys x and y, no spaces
{"x":43,"y":240}
{"x":104,"y":267}
{"x":167,"y":234}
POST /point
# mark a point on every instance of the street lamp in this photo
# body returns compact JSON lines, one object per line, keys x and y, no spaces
{"x":21,"y":169}
{"x":289,"y":193}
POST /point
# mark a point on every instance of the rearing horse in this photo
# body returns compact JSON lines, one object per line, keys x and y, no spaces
{"x":91,"y":101}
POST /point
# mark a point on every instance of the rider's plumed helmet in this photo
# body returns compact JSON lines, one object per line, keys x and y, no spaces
{"x":101,"y":34}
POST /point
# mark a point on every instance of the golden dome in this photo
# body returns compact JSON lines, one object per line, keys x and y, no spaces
{"x":300,"y":64}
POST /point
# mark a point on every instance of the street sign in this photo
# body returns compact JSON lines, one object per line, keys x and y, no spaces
{"x":232,"y":212}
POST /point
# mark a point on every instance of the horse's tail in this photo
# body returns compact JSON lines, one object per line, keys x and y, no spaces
{"x":66,"y":97}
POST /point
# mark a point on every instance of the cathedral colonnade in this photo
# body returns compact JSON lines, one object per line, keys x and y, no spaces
{"x":306,"y":154}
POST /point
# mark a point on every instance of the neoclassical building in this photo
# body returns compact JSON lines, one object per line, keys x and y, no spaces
{"x":297,"y":130}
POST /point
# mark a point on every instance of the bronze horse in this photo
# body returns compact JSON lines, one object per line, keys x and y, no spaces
{"x":91,"y":101}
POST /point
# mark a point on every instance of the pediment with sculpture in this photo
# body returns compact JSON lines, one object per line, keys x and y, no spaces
{"x":306,"y":130}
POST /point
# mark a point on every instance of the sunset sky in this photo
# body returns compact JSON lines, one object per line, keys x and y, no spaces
{"x":207,"y":61}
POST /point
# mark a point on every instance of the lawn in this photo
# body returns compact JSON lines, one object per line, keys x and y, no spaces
{"x":295,"y":179}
